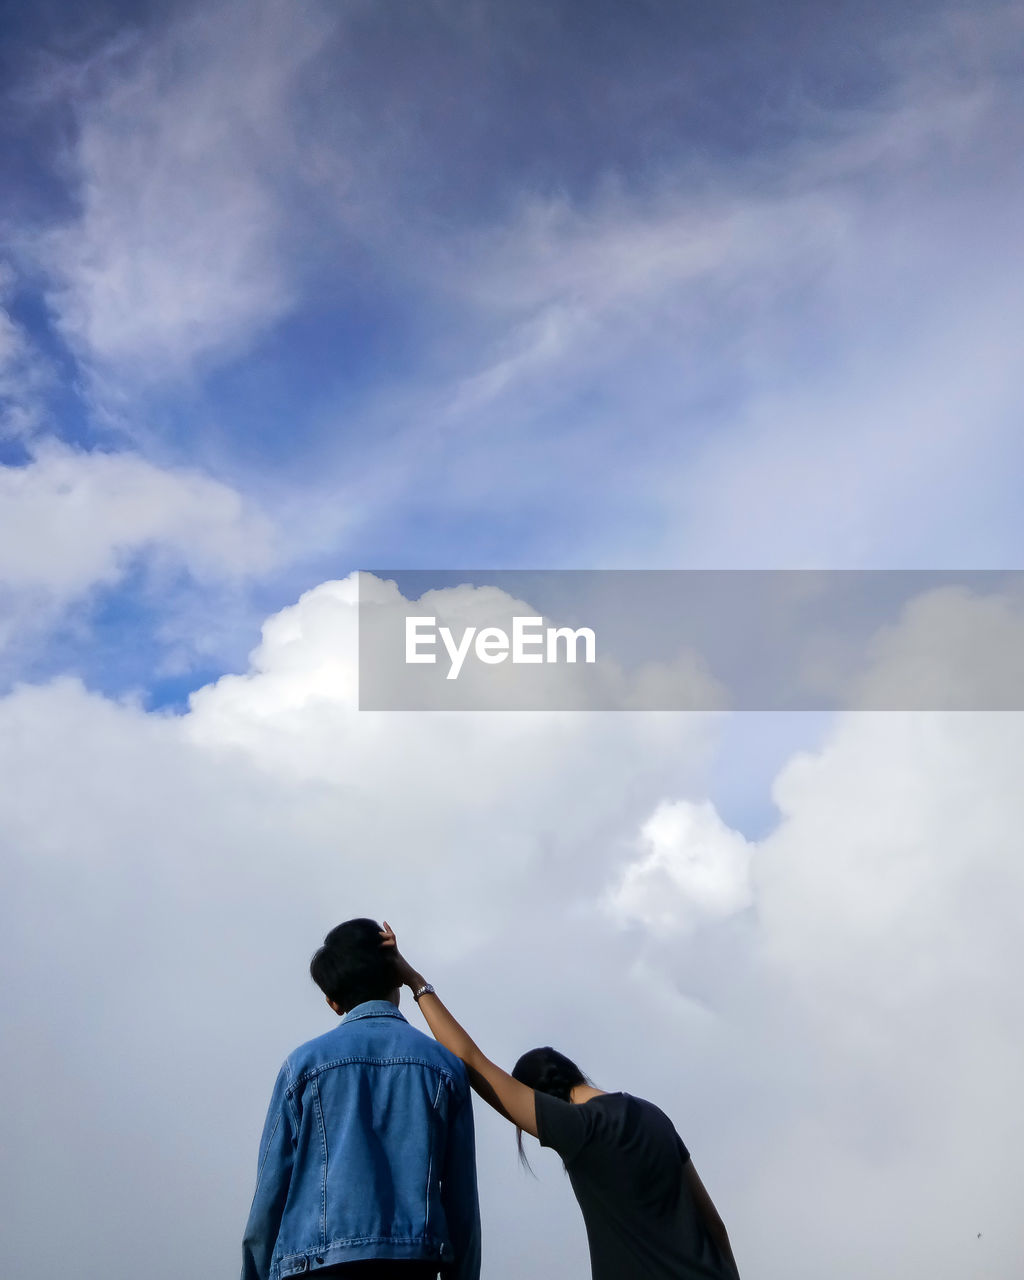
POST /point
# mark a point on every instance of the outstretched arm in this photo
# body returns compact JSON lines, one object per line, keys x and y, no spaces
{"x":515,"y":1101}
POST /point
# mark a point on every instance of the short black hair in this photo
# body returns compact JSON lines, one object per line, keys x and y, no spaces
{"x":352,"y":966}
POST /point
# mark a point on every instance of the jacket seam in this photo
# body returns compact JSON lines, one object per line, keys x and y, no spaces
{"x":266,"y":1154}
{"x":353,"y":1240}
{"x":375,"y":1013}
{"x":312,"y":1072}
{"x":290,"y":1098}
{"x":323,"y":1148}
{"x":430,"y":1160}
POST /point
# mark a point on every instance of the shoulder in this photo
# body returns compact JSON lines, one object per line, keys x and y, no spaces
{"x":562,"y":1125}
{"x":659,"y":1127}
{"x":379,"y":1038}
{"x":311,"y":1052}
{"x":429,"y":1049}
{"x":607,"y":1118}
{"x":642,"y":1107}
{"x":440,"y":1058}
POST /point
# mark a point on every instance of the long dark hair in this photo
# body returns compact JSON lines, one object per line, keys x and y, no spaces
{"x":550,"y":1072}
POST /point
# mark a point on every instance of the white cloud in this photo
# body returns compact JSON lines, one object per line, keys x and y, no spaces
{"x":71,"y":522}
{"x":713,"y":244}
{"x":167,"y":878}
{"x":23,"y":375}
{"x":691,"y":867}
{"x":851,"y":1079}
{"x":876,"y":986}
{"x":603,"y":683}
{"x":179,"y":251}
{"x":704,"y":364}
{"x":888,"y":901}
{"x":857,"y":1038}
{"x":951,"y":649}
{"x":795,"y":358}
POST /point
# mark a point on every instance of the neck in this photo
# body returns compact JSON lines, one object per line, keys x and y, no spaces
{"x":583,"y":1093}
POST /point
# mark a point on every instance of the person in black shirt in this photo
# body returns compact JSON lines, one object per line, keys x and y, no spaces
{"x":647,"y":1213}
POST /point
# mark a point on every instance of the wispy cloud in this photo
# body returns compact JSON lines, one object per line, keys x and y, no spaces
{"x":179,"y":251}
{"x":694,"y":361}
{"x":24,"y":374}
{"x":758,"y":357}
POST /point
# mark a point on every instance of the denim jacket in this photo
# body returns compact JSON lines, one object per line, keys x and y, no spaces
{"x":367,"y":1152}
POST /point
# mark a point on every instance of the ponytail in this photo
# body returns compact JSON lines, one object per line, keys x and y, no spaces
{"x":546,"y":1071}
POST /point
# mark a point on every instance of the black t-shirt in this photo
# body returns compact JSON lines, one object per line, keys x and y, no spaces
{"x":625,"y":1162}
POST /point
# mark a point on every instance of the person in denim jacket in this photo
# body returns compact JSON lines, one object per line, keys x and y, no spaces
{"x":367,"y":1164}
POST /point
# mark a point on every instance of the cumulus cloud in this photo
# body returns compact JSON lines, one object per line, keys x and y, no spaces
{"x":568,"y":668}
{"x":887,"y":899}
{"x":71,"y":519}
{"x":192,"y":863}
{"x":848,"y":1041}
{"x":950,"y":649}
{"x":873,"y":984}
{"x":690,"y":867}
{"x":72,"y":522}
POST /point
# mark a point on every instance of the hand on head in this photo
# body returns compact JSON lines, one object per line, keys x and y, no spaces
{"x":407,"y":975}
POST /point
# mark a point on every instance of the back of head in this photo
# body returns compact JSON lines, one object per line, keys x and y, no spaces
{"x":548,"y":1071}
{"x":352,"y":967}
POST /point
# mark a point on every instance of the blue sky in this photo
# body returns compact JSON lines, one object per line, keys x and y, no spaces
{"x":539,"y":285}
{"x":291,"y":288}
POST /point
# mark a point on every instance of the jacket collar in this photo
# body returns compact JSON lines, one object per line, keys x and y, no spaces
{"x":374,"y":1009}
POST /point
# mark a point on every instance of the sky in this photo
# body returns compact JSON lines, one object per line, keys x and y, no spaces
{"x":291,"y":290}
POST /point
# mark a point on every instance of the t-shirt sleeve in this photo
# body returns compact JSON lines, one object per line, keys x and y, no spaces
{"x":561,"y":1126}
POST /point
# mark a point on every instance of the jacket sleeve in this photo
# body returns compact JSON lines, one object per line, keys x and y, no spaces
{"x":459,"y":1189}
{"x":273,"y":1175}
